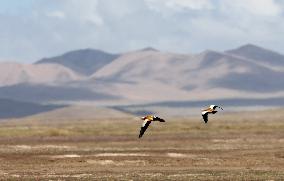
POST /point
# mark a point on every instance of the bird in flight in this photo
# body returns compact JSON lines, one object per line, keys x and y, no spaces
{"x":209,"y":110}
{"x":147,"y":121}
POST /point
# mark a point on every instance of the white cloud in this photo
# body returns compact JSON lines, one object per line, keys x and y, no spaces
{"x":189,"y":4}
{"x":253,"y":7}
{"x":170,"y":6}
{"x":53,"y":27}
{"x":74,"y":10}
{"x":87,"y":11}
{"x":56,"y":14}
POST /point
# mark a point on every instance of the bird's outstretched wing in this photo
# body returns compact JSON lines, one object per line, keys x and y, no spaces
{"x":144,"y":127}
{"x":205,"y":116}
{"x":159,"y":119}
{"x":218,"y":107}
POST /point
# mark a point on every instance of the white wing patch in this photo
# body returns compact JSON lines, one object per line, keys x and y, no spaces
{"x":144,"y":123}
{"x":204,"y":112}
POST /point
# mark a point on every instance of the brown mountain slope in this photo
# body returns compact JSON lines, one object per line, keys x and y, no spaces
{"x":16,"y":73}
{"x":155,"y":76}
{"x":261,"y":55}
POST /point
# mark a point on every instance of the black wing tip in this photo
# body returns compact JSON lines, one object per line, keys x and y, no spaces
{"x":205,"y":118}
{"x":160,"y":119}
{"x":140,"y":135}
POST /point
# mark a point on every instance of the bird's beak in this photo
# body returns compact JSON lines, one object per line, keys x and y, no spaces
{"x":220,"y":108}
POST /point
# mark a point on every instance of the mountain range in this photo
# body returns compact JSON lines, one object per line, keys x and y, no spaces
{"x":146,"y":76}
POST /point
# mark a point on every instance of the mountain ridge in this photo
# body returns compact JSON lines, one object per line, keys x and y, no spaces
{"x":83,"y":61}
{"x":16,"y":73}
{"x":255,"y":52}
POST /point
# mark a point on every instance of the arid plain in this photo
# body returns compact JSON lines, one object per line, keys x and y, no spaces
{"x":232,"y":146}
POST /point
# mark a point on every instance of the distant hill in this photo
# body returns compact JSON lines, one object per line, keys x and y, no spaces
{"x":146,"y":75}
{"x":260,"y":54}
{"x":16,"y":73}
{"x":240,"y":74}
{"x":16,"y":109}
{"x":85,"y":61}
{"x":81,"y":112}
{"x":149,"y":49}
{"x":45,"y":93}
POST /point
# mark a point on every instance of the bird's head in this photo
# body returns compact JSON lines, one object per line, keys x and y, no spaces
{"x":212,"y":106}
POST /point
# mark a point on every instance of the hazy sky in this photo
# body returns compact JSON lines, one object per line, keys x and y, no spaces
{"x":32,"y":29}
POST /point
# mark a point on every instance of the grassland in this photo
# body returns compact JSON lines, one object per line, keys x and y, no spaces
{"x":232,"y":146}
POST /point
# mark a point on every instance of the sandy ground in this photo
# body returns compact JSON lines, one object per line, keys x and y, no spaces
{"x":230,"y":147}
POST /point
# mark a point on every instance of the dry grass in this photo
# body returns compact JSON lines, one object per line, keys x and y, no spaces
{"x":237,"y":146}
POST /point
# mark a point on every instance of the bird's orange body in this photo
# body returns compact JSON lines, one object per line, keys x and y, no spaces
{"x":148,"y":118}
{"x":209,"y":110}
